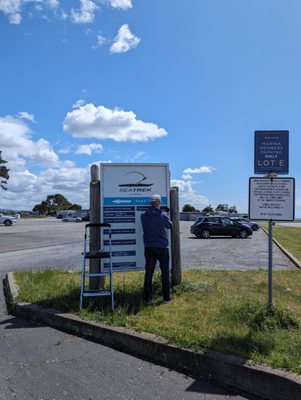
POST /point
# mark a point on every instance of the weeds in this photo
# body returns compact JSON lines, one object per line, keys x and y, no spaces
{"x":258,"y":317}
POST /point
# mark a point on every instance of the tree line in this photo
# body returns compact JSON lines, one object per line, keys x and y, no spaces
{"x":210,"y":209}
{"x":53,"y":204}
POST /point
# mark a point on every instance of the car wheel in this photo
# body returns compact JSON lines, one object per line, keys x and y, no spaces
{"x":7,"y":222}
{"x":243,"y":234}
{"x":255,"y":227}
{"x":205,"y":234}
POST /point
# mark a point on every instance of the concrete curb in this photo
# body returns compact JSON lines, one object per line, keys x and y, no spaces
{"x":292,"y":258}
{"x":217,"y":367}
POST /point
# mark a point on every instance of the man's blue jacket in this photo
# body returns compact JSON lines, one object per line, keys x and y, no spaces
{"x":154,"y":224}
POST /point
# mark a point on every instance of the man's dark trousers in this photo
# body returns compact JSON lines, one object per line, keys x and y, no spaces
{"x":152,"y":254}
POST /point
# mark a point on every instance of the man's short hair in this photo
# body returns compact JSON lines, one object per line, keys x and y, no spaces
{"x":156,"y":198}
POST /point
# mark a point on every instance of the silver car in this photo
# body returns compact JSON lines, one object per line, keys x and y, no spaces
{"x":72,"y":218}
{"x":252,"y":224}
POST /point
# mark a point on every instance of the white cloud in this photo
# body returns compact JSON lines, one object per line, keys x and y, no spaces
{"x":15,"y":18}
{"x":17,"y":144}
{"x":79,"y":103}
{"x":187,"y":194}
{"x":89,"y":148}
{"x":123,"y":4}
{"x":27,"y":188}
{"x":186,"y":177}
{"x":200,"y":170}
{"x":70,"y":181}
{"x":53,"y":3}
{"x":136,"y":157}
{"x":100,"y":122}
{"x":65,"y":150}
{"x":100,"y":41}
{"x":13,"y":8}
{"x":85,"y":14}
{"x":26,"y":115}
{"x":124,"y":41}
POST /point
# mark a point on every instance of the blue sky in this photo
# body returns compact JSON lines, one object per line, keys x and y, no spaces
{"x":179,"y":82}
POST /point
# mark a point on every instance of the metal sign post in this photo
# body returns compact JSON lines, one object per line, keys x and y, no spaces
{"x":270,"y":278}
{"x":271,"y":199}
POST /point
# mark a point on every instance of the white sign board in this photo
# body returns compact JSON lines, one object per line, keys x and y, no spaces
{"x":272,"y":199}
{"x":125,"y":194}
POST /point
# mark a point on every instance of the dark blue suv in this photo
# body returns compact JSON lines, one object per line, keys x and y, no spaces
{"x":204,"y":227}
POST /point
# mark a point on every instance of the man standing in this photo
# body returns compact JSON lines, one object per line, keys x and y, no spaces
{"x":154,"y":224}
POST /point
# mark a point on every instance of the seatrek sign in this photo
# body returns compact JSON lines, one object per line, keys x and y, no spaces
{"x":125,"y":193}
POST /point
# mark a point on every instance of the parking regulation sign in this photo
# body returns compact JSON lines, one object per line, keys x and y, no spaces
{"x":271,"y":152}
{"x":272,"y":199}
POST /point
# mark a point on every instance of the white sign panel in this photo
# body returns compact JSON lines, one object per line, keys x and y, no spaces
{"x":125,"y":193}
{"x":272,"y":199}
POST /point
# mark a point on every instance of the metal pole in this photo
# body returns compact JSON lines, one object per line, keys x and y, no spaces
{"x":176,"y":273}
{"x":272,"y":175}
{"x":270,"y":282}
{"x":95,"y":239}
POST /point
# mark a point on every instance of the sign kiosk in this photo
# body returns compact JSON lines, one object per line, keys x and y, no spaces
{"x":271,"y":198}
{"x":125,"y":193}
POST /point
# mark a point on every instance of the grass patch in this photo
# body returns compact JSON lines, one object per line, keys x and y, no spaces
{"x":219,"y":310}
{"x":289,"y":237}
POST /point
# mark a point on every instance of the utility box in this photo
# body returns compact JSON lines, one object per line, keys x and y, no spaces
{"x":125,"y":194}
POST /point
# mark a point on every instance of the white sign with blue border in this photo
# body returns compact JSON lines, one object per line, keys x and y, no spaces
{"x":125,"y":194}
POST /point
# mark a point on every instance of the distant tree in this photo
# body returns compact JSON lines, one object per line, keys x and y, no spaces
{"x":40,"y":208}
{"x":54,"y":203}
{"x":208,"y":209}
{"x":189,"y":208}
{"x":58,"y":201}
{"x":232,"y":210}
{"x":75,"y":207}
{"x":4,"y":176}
{"x":222,"y":207}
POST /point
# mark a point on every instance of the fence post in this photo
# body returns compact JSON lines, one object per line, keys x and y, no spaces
{"x":95,"y":239}
{"x":176,"y":272}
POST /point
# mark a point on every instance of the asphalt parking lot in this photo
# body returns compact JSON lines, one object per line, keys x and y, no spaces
{"x":228,"y":252}
{"x":36,"y":243}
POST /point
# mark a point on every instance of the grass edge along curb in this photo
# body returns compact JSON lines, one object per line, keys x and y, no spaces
{"x":292,"y":258}
{"x":217,"y":367}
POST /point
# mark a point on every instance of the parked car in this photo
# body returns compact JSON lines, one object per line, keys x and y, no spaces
{"x":204,"y":227}
{"x":72,"y":218}
{"x":252,"y":224}
{"x":7,"y":220}
{"x":86,"y":217}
